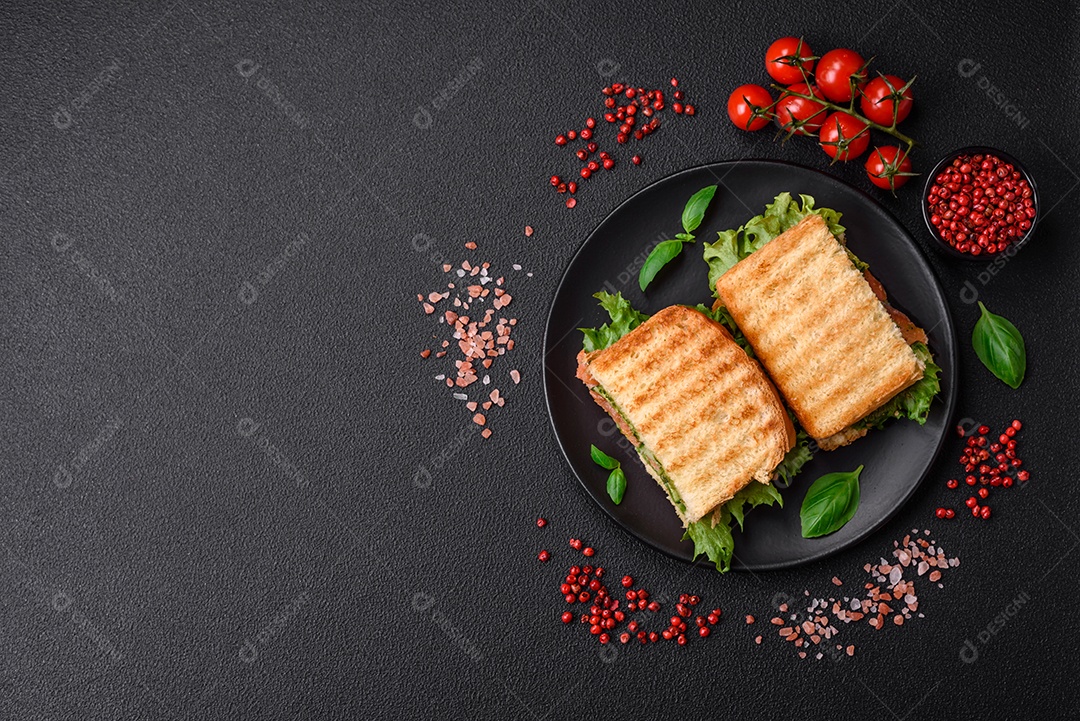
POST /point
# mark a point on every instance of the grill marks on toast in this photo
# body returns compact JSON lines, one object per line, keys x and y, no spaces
{"x":826,"y":340}
{"x":703,"y":407}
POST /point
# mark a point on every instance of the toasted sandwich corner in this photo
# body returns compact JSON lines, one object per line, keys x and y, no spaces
{"x":826,"y":340}
{"x":701,"y":413}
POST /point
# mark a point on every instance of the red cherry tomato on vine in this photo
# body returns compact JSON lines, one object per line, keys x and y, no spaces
{"x":802,"y":115}
{"x":835,"y":71}
{"x":844,"y":137}
{"x":742,"y":104}
{"x":785,"y":56}
{"x":880,"y":96}
{"x":888,"y":167}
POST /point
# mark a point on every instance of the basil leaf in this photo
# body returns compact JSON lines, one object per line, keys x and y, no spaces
{"x":623,"y":320}
{"x":666,"y":251}
{"x":602,"y":459}
{"x":694,"y":211}
{"x":1000,"y":347}
{"x":660,"y":256}
{"x":830,"y":503}
{"x":616,"y":485}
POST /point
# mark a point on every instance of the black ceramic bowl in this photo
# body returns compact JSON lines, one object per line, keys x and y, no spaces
{"x":939,"y":242}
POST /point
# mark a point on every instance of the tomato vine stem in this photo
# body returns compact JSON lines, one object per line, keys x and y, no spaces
{"x":850,"y":110}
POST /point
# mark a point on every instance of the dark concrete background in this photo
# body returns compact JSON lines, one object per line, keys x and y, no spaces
{"x":157,"y":564}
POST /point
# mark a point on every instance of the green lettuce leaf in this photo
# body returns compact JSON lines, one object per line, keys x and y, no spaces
{"x":794,"y":460}
{"x":750,"y":496}
{"x":913,"y":402}
{"x":623,"y":320}
{"x":781,"y":214}
{"x":716,"y":542}
{"x":713,"y":542}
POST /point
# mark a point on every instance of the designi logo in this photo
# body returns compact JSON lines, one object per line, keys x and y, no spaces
{"x":62,"y":118}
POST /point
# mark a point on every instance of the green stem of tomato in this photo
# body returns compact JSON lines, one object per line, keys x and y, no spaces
{"x":888,"y":130}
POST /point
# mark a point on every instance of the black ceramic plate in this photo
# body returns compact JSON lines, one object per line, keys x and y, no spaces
{"x":896,"y":458}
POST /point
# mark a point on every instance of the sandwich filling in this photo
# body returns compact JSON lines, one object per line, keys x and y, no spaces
{"x":605,"y":401}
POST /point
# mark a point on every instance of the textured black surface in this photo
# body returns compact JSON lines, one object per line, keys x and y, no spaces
{"x":181,"y":572}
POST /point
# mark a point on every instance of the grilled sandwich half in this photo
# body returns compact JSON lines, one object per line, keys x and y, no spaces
{"x":823,"y":330}
{"x":701,"y":413}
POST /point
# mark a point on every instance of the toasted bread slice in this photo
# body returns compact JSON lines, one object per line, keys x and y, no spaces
{"x":813,"y":320}
{"x":704,"y":416}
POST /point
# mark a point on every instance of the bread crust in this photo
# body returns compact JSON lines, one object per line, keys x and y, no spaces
{"x":705,"y":410}
{"x":824,"y":337}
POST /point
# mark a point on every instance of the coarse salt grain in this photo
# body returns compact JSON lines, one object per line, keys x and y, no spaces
{"x":888,"y":586}
{"x":478,"y":342}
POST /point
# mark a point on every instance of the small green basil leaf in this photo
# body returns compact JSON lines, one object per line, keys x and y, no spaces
{"x":616,"y":485}
{"x":660,"y":256}
{"x":694,"y":211}
{"x":602,"y":459}
{"x":830,"y":503}
{"x":685,"y":237}
{"x":1000,"y":347}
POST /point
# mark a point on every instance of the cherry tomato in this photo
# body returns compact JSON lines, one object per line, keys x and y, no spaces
{"x":785,"y":56}
{"x":742,"y":103}
{"x":801,"y":113}
{"x":879,"y":97}
{"x":888,"y":167}
{"x":835,"y":71}
{"x":844,"y":137}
